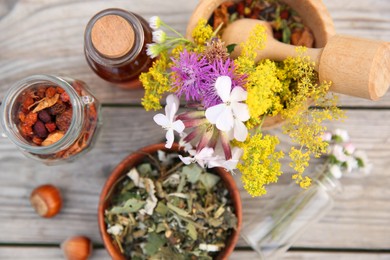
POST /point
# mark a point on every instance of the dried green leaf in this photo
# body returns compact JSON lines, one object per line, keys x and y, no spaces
{"x":209,"y":180}
{"x":167,"y":253}
{"x":192,"y":172}
{"x":177,"y":210}
{"x":162,"y":209}
{"x":132,"y":205}
{"x":154,"y":243}
{"x":192,"y":231}
{"x":144,"y":169}
{"x":215,"y":222}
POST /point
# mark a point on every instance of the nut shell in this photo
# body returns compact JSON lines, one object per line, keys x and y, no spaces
{"x":46,"y":200}
{"x":77,"y":248}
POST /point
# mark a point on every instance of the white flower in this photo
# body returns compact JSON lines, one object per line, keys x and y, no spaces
{"x":362,"y":156}
{"x":155,"y":22}
{"x":230,"y":164}
{"x":349,"y":148}
{"x":167,"y":121}
{"x":335,"y":171}
{"x":352,"y":164}
{"x":229,"y":115}
{"x":339,"y":154}
{"x":154,"y":49}
{"x":115,"y":230}
{"x":343,"y":134}
{"x":159,"y":36}
{"x":203,"y":158}
{"x":326,"y":136}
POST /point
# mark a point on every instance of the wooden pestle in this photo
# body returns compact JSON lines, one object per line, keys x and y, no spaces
{"x":357,"y":67}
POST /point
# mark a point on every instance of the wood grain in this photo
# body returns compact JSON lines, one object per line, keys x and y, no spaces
{"x":47,"y":37}
{"x":54,"y":253}
{"x":359,"y":210}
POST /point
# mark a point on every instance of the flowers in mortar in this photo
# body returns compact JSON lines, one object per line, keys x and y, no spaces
{"x":228,"y":101}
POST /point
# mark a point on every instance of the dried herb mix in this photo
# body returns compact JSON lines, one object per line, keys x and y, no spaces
{"x":165,"y":210}
{"x":286,"y":24}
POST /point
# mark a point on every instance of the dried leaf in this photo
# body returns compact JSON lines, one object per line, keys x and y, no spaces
{"x":192,"y":172}
{"x":46,"y":102}
{"x":132,"y":205}
{"x":177,"y":210}
{"x":154,"y":243}
{"x":209,"y":180}
{"x":192,"y":231}
{"x":52,"y":138}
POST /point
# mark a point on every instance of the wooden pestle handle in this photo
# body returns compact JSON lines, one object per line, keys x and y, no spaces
{"x":357,"y":67}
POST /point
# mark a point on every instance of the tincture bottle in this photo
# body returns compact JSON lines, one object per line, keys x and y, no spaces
{"x":115,"y":46}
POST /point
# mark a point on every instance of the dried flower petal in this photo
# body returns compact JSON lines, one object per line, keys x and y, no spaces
{"x":45,"y":103}
{"x":53,"y":138}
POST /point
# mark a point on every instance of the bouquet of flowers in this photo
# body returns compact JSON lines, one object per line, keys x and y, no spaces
{"x":228,"y":103}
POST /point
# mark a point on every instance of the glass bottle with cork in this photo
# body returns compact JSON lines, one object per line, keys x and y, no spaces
{"x":115,"y":46}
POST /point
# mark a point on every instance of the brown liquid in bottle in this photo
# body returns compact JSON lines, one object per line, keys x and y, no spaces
{"x":115,"y":46}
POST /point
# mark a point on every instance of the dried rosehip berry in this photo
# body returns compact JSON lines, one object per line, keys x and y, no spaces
{"x":21,"y":116}
{"x":36,"y":140}
{"x":31,"y":119}
{"x":40,"y":129}
{"x":65,"y":97}
{"x":60,"y":90}
{"x":63,"y":120}
{"x":50,"y":92}
{"x":41,"y":93}
{"x":28,"y":102}
{"x":78,"y":85}
{"x":57,"y":109}
{"x":284,"y":14}
{"x":51,"y":127}
{"x":44,"y":116}
{"x":26,"y":130}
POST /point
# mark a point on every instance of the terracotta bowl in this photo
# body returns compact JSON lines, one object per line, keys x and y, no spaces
{"x":313,"y":13}
{"x":134,"y":159}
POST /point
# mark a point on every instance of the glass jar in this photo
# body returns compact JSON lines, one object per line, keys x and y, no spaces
{"x":287,"y":216}
{"x":50,"y":128}
{"x":115,"y":46}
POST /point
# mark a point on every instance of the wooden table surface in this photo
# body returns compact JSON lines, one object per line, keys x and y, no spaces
{"x":46,"y":36}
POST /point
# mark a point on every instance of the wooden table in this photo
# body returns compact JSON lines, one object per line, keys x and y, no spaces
{"x":46,"y":36}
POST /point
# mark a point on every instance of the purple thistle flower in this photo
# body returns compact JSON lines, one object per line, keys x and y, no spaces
{"x":190,"y":72}
{"x":220,"y":68}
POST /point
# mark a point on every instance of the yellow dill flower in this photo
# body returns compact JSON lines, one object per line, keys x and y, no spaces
{"x":202,"y":32}
{"x":256,"y":41}
{"x":262,"y":87}
{"x":155,"y":83}
{"x":259,"y":163}
{"x":299,"y":162}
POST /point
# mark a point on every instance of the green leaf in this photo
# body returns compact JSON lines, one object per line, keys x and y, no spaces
{"x":192,"y":172}
{"x":230,"y":47}
{"x":286,"y":37}
{"x":131,"y":205}
{"x":215,"y":222}
{"x":192,"y":233}
{"x":154,"y":243}
{"x":177,"y":210}
{"x":162,"y":209}
{"x":144,"y":169}
{"x":209,"y":180}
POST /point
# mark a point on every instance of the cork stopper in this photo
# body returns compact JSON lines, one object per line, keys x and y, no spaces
{"x":112,"y":36}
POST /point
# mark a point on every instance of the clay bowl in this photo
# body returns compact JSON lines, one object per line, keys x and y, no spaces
{"x":134,"y":159}
{"x":313,"y":13}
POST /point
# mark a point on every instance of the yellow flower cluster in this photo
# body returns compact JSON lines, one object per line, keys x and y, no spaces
{"x":263,"y":87}
{"x":260,"y":163}
{"x":155,"y":82}
{"x":256,"y":41}
{"x":300,"y":160}
{"x":202,"y":33}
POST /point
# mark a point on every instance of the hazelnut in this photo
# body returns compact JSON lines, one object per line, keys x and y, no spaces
{"x":77,"y":248}
{"x":46,"y":200}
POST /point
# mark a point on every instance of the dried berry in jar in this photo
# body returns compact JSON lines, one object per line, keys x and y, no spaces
{"x":64,"y":120}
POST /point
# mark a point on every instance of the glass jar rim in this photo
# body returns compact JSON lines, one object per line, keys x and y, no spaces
{"x":10,"y":128}
{"x":132,"y":20}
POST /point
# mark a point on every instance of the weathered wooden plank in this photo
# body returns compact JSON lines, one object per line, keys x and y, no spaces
{"x":47,"y":37}
{"x":50,"y":253}
{"x":360,"y":218}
